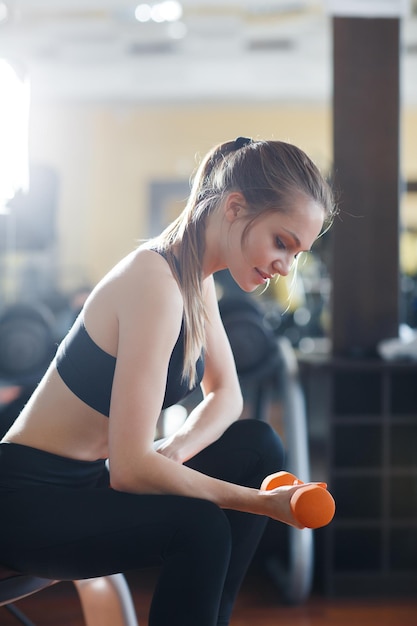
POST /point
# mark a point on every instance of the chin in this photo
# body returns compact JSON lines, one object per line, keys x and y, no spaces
{"x":248,"y":288}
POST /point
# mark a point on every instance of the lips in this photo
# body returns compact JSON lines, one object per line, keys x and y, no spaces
{"x":263,"y":274}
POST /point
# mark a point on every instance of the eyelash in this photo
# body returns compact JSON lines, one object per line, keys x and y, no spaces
{"x":280,"y":244}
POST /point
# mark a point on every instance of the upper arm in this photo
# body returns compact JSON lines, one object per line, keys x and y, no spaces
{"x":149,"y":311}
{"x":220,"y":370}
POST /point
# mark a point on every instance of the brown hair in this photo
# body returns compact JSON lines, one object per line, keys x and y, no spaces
{"x":270,"y":175}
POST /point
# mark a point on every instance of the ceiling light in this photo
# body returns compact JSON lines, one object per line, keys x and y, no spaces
{"x":143,"y":13}
{"x":167,"y":11}
{"x":170,"y":10}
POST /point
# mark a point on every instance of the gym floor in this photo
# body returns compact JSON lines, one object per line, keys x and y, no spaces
{"x":259,"y":604}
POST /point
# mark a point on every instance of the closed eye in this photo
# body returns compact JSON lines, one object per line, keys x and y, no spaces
{"x":280,"y":244}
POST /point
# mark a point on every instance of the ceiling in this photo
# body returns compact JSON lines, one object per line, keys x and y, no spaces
{"x":229,"y":50}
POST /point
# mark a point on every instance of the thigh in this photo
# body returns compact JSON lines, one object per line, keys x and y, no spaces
{"x":70,"y":533}
{"x":248,"y":451}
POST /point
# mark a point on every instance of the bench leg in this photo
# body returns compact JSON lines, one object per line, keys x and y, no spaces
{"x":106,"y":601}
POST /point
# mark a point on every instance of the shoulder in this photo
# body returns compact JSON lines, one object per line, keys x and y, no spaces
{"x":142,"y":263}
{"x":139,"y":291}
{"x":143,"y":269}
{"x":144,"y":279}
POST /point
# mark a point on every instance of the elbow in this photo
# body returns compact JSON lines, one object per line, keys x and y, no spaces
{"x":138,"y":477}
{"x":119,"y":482}
{"x":123,"y":479}
{"x":237,"y":403}
{"x":232,"y":398}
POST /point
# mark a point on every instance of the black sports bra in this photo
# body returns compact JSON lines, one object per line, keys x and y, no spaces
{"x":89,"y":371}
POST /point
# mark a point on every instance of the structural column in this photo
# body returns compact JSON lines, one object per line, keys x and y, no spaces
{"x":365,"y":237}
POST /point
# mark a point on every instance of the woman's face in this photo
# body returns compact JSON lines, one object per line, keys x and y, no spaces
{"x":272,"y":243}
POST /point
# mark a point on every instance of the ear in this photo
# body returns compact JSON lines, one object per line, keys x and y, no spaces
{"x":234,"y":206}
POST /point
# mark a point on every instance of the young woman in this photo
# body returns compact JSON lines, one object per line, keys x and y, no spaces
{"x":149,"y":333}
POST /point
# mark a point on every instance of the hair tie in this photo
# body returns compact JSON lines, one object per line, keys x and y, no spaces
{"x":242,"y":141}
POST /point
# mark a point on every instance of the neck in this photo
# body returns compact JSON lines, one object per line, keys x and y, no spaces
{"x":213,"y":260}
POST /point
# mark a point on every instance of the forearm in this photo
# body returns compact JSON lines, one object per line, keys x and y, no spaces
{"x":156,"y":474}
{"x":205,"y":424}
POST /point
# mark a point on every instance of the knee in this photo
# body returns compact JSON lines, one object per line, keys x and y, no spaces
{"x":264,"y":439}
{"x":214,"y":524}
{"x":207,"y":524}
{"x":204,"y":538}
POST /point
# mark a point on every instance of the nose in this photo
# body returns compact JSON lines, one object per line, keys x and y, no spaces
{"x":283,"y":265}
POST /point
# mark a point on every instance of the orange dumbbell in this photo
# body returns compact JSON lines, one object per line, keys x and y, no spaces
{"x":312,"y":505}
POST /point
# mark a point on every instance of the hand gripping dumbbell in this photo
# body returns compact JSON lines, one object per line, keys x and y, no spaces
{"x":312,"y":505}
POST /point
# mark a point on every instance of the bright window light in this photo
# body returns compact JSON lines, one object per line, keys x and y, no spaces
{"x":4,"y":12}
{"x":14,"y":121}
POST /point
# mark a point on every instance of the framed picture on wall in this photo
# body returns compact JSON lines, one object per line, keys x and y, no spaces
{"x":167,"y":200}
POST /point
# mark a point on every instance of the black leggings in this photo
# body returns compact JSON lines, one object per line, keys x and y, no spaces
{"x":59,"y":519}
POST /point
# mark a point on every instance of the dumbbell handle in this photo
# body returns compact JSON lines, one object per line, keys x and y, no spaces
{"x":312,"y":505}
